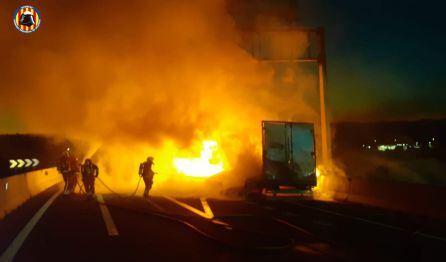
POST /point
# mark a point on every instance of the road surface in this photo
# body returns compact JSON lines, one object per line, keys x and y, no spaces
{"x":53,"y":227}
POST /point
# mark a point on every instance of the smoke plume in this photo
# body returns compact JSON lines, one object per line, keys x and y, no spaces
{"x":139,"y":78}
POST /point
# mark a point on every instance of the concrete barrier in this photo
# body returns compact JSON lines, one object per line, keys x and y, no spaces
{"x":419,"y":199}
{"x":16,"y":190}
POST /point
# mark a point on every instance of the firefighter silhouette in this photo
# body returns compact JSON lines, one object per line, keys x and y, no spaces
{"x":68,"y":166}
{"x":146,"y":172}
{"x":89,"y":172}
{"x":27,"y":19}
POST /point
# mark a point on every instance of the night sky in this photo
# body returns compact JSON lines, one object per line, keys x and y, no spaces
{"x":385,"y":58}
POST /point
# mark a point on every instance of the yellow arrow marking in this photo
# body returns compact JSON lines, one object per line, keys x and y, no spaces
{"x":13,"y":163}
{"x":36,"y":162}
{"x":28,"y":162}
{"x":21,"y":162}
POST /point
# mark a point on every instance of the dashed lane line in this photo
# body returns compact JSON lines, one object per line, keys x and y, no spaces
{"x":14,"y":247}
{"x":108,"y":220}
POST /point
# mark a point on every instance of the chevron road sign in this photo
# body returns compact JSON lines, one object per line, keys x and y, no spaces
{"x":23,"y":163}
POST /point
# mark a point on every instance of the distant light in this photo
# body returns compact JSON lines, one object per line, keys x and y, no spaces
{"x":386,"y":148}
{"x":363,"y":145}
{"x":433,"y":138}
{"x":394,"y":140}
{"x":6,"y":186}
{"x":374,"y":140}
{"x":369,"y":147}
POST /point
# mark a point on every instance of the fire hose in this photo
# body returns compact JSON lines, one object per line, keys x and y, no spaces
{"x":114,"y":192}
{"x":81,"y":188}
{"x":288,"y":242}
{"x":137,"y":186}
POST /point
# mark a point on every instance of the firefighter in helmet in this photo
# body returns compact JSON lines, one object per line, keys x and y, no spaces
{"x":68,"y":166}
{"x":146,"y":172}
{"x":89,"y":172}
{"x":63,"y":168}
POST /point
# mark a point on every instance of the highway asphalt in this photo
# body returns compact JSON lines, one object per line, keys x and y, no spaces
{"x":162,"y":228}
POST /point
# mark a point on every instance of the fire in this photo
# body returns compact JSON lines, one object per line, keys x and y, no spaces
{"x":320,"y":177}
{"x":208,"y":164}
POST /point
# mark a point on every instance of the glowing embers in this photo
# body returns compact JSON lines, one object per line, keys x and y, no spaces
{"x":208,"y":164}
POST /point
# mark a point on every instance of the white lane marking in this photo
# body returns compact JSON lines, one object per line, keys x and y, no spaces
{"x":430,"y":236}
{"x":151,"y":202}
{"x":305,"y":249}
{"x":297,"y":228}
{"x":108,"y":220}
{"x":318,"y":248}
{"x":207,"y":209}
{"x":11,"y":251}
{"x":370,"y":222}
{"x":192,"y":209}
{"x":221,"y":223}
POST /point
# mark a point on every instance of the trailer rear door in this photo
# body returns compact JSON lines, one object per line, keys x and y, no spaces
{"x":289,"y":154}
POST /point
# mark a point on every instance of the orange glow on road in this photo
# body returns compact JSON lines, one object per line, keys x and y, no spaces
{"x":208,"y":164}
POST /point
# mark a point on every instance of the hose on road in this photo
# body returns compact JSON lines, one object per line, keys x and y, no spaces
{"x":115,"y":193}
{"x":288,"y":243}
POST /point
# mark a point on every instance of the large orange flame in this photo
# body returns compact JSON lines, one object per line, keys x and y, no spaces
{"x":208,"y":164}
